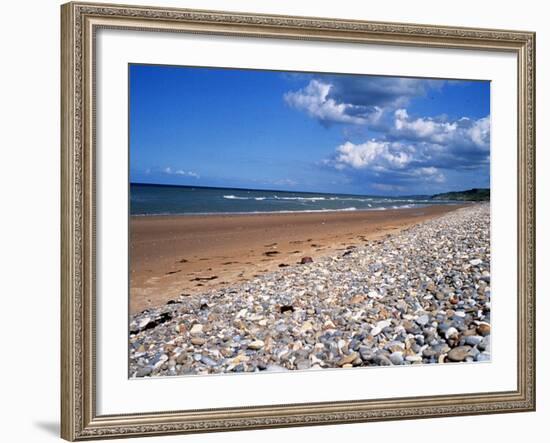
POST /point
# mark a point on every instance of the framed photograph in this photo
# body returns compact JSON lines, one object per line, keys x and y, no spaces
{"x":277,"y":221}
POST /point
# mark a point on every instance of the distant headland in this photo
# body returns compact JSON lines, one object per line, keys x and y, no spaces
{"x":476,"y":194}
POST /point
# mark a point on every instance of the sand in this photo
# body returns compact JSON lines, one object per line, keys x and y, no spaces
{"x":173,"y":255}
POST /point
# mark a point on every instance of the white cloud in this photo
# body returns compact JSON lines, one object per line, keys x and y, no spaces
{"x":429,"y":173}
{"x":423,"y":128}
{"x":314,"y":99}
{"x":169,"y":170}
{"x":360,"y":100}
{"x":462,"y":132}
{"x":373,"y":154}
{"x":379,"y":158}
{"x":480,"y":132}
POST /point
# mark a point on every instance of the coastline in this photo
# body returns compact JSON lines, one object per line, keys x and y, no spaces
{"x":421,"y":295}
{"x":171,"y":255}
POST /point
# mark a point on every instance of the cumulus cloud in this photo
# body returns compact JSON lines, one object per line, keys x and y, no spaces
{"x":407,"y":150}
{"x":315,"y":100}
{"x":377,"y":155}
{"x":170,"y":171}
{"x":463,"y":132}
{"x":360,"y":100}
{"x":383,"y":159}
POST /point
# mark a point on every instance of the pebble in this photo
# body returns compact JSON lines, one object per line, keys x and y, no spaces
{"x":196,"y":329}
{"x":423,"y":320}
{"x":396,"y":358}
{"x":198,"y":341}
{"x":484,"y":329}
{"x":256,"y":345}
{"x":459,"y":353}
{"x":348,"y":359}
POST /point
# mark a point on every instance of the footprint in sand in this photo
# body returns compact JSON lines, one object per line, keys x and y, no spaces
{"x":204,"y":278}
{"x":173,"y":272}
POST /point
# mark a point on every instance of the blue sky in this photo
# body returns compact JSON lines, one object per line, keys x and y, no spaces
{"x":307,"y":132}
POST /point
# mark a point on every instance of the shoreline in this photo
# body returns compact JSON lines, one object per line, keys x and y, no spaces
{"x":305,"y":211}
{"x":419,"y":296}
{"x":171,"y":255}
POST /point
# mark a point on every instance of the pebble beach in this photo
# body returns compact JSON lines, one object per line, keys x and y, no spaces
{"x":418,"y":296}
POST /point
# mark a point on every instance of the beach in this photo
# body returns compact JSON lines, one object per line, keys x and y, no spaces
{"x":279,"y":292}
{"x":175,"y":255}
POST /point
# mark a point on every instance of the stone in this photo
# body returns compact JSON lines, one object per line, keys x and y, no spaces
{"x":383,"y":324}
{"x":423,"y":320}
{"x":256,"y":345}
{"x":303,"y":364}
{"x":396,"y":358}
{"x":476,"y":262}
{"x":375,"y":331}
{"x":144,"y":372}
{"x":451,"y":333}
{"x":306,"y":260}
{"x":348,"y":359}
{"x":198,"y":341}
{"x":459,"y":353}
{"x":196,"y":329}
{"x":473,"y":340}
{"x":382,"y":360}
{"x":484,"y":329}
{"x":208,"y":361}
{"x":357,"y":299}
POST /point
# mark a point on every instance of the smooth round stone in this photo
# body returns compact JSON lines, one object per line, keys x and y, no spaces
{"x":484,"y":329}
{"x":144,"y":372}
{"x":208,"y":361}
{"x":366,"y":353}
{"x":459,"y":353}
{"x":382,"y":360}
{"x":256,"y":345}
{"x":473,"y":340}
{"x":348,"y":359}
{"x":423,"y":320}
{"x":429,"y":353}
{"x":198,"y":341}
{"x":396,"y":358}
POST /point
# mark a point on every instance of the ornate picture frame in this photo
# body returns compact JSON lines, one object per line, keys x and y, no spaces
{"x":80,"y":22}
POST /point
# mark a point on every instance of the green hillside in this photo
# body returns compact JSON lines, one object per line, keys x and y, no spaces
{"x":476,"y":194}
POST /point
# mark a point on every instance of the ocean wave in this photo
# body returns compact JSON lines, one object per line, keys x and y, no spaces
{"x":234,"y":197}
{"x":313,"y":199}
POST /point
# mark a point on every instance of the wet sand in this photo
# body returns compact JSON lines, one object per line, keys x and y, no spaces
{"x":174,"y":255}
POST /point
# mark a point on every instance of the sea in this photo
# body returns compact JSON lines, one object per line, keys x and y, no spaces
{"x":148,"y":199}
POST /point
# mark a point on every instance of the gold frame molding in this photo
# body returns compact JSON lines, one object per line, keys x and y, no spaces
{"x":79,"y":22}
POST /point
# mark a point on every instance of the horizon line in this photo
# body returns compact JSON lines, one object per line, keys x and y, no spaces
{"x":299,"y":192}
